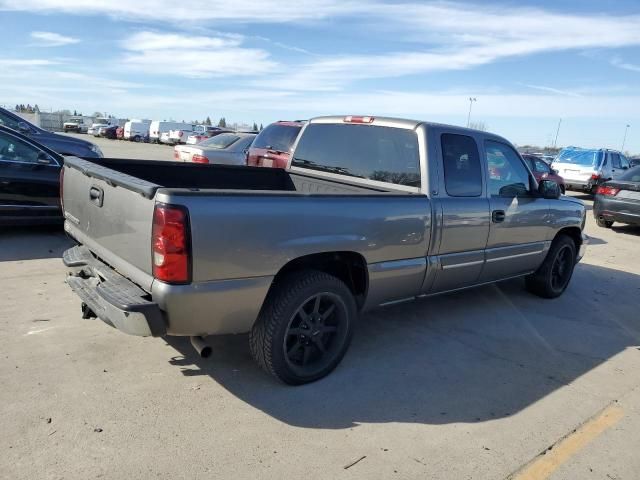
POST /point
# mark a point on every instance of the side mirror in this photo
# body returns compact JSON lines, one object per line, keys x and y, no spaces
{"x":549,"y":189}
{"x":23,"y":127}
{"x":43,"y":159}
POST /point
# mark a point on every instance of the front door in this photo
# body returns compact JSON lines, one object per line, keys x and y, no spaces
{"x":519,"y":235}
{"x":29,"y":180}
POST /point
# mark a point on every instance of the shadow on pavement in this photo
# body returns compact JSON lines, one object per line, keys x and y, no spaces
{"x":626,"y":229}
{"x":31,"y":243}
{"x":471,"y":356}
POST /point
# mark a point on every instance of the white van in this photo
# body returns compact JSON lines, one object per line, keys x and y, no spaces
{"x":136,"y":130}
{"x":157,"y":128}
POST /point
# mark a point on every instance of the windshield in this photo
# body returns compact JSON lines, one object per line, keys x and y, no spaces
{"x":583,"y":158}
{"x":101,"y":121}
{"x":220,"y":141}
{"x":277,"y":137}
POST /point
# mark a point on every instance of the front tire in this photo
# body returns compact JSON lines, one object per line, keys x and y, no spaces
{"x":305,"y":327}
{"x":553,"y":276}
{"x":601,"y":222}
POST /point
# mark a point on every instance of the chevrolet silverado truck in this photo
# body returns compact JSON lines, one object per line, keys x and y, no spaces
{"x":370,"y":211}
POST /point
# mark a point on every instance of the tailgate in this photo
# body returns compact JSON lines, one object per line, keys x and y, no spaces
{"x":111,"y":213}
{"x":570,"y":171}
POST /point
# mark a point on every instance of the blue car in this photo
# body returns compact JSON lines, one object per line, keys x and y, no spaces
{"x":62,"y":144}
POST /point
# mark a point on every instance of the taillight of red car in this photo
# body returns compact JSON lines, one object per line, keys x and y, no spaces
{"x":176,"y":155}
{"x":170,"y":244}
{"x":607,"y":191}
{"x":199,"y":159}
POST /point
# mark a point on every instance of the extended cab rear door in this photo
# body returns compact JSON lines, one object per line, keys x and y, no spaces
{"x":462,"y":209}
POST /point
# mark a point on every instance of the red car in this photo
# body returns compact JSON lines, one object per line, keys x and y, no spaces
{"x":542,"y":171}
{"x":272,"y":147}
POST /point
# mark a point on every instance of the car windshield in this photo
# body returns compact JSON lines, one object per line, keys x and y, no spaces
{"x":584,"y":158}
{"x":277,"y":137}
{"x":632,"y":175}
{"x":221,"y":141}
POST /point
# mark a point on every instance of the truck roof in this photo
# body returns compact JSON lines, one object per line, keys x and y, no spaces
{"x":400,"y":123}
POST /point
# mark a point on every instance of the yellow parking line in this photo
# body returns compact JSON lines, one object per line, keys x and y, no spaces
{"x":548,"y":462}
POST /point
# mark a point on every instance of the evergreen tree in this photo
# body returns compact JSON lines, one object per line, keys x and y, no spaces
{"x":208,"y":121}
{"x":75,"y":113}
{"x":255,"y":126}
{"x":261,"y":127}
{"x":222,"y":123}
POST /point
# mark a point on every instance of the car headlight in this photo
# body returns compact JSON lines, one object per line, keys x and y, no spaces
{"x":96,"y":149}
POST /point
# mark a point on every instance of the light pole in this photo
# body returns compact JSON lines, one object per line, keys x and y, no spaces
{"x":555,"y":142}
{"x":471,"y":100}
{"x":625,"y":137}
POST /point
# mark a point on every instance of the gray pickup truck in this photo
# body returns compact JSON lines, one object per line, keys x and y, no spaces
{"x":369,"y":212}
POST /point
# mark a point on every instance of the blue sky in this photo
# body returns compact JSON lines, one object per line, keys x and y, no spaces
{"x":527,"y":63}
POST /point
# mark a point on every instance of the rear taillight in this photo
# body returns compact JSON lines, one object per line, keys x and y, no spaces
{"x":608,"y":191}
{"x":595,"y":176}
{"x":170,"y":245}
{"x":62,"y":188}
{"x":176,"y":155}
{"x":199,"y":159}
{"x":354,"y":119}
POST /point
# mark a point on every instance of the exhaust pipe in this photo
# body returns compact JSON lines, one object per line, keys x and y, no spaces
{"x":201,"y":346}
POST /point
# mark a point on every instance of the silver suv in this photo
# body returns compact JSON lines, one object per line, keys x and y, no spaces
{"x":585,"y":169}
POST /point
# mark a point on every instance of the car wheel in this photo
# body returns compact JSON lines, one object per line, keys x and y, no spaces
{"x":137,"y":139}
{"x":304,"y":328}
{"x":601,"y":222}
{"x":553,"y":276}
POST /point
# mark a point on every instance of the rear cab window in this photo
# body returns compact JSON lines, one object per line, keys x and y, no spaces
{"x":221,"y":141}
{"x":369,"y":152}
{"x":277,"y":137}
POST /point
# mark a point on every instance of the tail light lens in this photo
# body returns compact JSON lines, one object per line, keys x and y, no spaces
{"x":608,"y":191}
{"x":170,"y":244}
{"x":357,"y":119}
{"x":199,"y":159}
{"x":176,"y":155}
{"x":595,"y":176}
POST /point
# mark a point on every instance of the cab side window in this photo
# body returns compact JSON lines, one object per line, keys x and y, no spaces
{"x":13,"y":149}
{"x":462,"y":170}
{"x":624,"y":162}
{"x":508,"y":176}
{"x":615,"y":160}
{"x":541,"y":166}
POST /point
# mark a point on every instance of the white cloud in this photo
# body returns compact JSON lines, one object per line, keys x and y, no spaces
{"x":618,"y":62}
{"x":195,"y":11}
{"x":51,"y":39}
{"x":557,"y":91}
{"x":34,"y":62}
{"x":193,"y":56}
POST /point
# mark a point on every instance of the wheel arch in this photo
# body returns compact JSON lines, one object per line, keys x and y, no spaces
{"x":574,"y":233}
{"x":350,"y":267}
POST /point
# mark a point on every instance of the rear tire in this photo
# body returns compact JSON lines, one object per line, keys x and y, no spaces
{"x":305,"y":327}
{"x":137,"y":139}
{"x":601,"y":222}
{"x":553,"y":276}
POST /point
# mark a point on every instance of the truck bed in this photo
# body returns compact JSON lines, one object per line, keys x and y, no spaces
{"x":146,"y":177}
